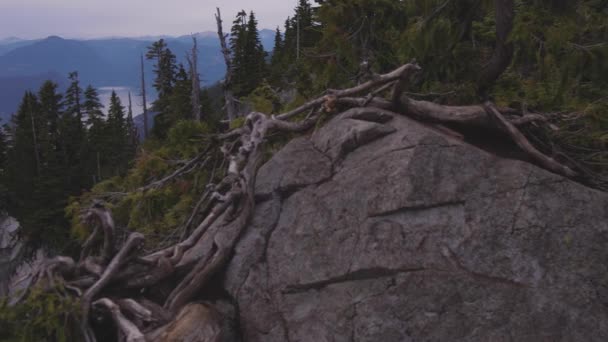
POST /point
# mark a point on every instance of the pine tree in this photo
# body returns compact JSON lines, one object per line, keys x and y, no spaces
{"x":276,"y":70}
{"x":73,"y":97}
{"x":303,"y":19}
{"x":35,"y":186}
{"x":49,"y":142}
{"x":248,"y":54}
{"x":92,"y":106}
{"x":255,"y":54}
{"x":72,"y":137}
{"x":131,"y":128}
{"x":181,"y":105}
{"x":116,"y":138}
{"x":238,"y":38}
{"x":51,"y":107}
{"x":164,"y":68}
{"x":164,"y":82}
{"x":277,"y":50}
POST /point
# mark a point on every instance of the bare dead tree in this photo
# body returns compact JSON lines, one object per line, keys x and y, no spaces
{"x":230,"y":104}
{"x":192,"y":59}
{"x":143,"y":94}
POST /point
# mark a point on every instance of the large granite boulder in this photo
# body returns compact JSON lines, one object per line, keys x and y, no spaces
{"x":382,"y":229}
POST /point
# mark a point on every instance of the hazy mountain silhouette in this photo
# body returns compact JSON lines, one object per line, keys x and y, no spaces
{"x":25,"y":64}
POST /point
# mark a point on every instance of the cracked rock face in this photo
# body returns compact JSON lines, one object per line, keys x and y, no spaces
{"x":382,"y":229}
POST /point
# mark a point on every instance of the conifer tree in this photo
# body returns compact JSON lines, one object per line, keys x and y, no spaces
{"x":51,"y":107}
{"x":181,"y":104}
{"x":116,"y":137}
{"x":255,"y":55}
{"x":72,"y":137}
{"x":73,"y":97}
{"x":49,"y":144}
{"x":133,"y":137}
{"x":248,"y":54}
{"x":33,"y":177}
{"x":276,"y":70}
{"x":92,"y":106}
{"x":238,"y":38}
{"x":165,"y":70}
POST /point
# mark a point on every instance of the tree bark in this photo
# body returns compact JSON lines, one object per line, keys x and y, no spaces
{"x":503,"y":51}
{"x":143,"y":94}
{"x":196,"y":84}
{"x":230,"y":104}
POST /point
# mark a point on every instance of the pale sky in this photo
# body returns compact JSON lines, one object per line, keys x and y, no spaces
{"x":103,"y":18}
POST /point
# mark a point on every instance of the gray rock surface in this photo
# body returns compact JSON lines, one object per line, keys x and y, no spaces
{"x":10,"y":249}
{"x":376,"y":230}
{"x":16,"y":272}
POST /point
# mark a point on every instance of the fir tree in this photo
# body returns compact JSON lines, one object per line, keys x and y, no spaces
{"x":92,"y":106}
{"x":73,"y":97}
{"x":180,"y":99}
{"x":35,"y":186}
{"x":238,"y":38}
{"x":116,"y":138}
{"x":133,"y":137}
{"x":51,"y":107}
{"x":97,"y":152}
{"x":276,"y":70}
{"x":247,"y":53}
{"x":72,"y":138}
{"x":255,"y":55}
{"x":165,"y":70}
{"x":164,"y":67}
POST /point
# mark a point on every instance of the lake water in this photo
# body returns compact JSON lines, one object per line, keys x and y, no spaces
{"x":123,"y":93}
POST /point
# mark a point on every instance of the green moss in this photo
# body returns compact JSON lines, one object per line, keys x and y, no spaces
{"x":237,"y":123}
{"x":42,"y":316}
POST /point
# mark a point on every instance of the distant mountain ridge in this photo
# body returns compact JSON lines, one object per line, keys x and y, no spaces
{"x":103,"y":62}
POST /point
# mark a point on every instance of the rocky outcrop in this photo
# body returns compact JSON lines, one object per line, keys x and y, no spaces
{"x":379,"y":228}
{"x":10,"y":249}
{"x":16,"y":271}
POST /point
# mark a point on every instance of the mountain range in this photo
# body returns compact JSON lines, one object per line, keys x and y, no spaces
{"x":105,"y":62}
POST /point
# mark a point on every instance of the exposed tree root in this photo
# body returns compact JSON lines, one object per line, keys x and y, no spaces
{"x":228,"y":205}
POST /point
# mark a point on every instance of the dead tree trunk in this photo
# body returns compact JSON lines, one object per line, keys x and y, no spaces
{"x":192,"y":59}
{"x":143,"y":94}
{"x":230,"y":103}
{"x":503,"y":51}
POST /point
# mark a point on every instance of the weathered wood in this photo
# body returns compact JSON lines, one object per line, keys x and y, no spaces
{"x":230,"y":104}
{"x":143,"y":95}
{"x":128,"y":329}
{"x":134,"y":240}
{"x":525,"y":145}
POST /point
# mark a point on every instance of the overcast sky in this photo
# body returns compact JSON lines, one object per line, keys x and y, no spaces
{"x":103,"y":18}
